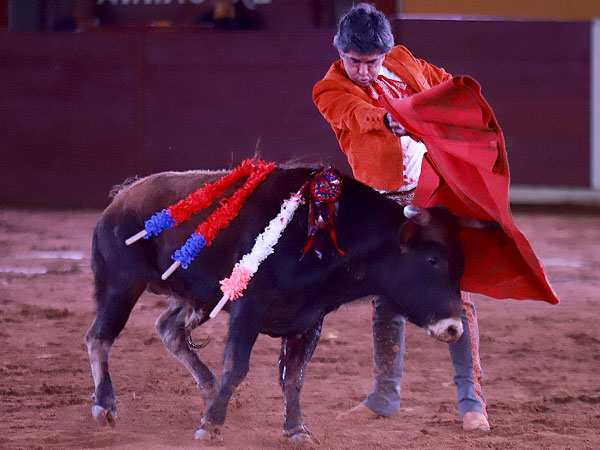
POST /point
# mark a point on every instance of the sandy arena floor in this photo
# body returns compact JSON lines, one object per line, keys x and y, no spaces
{"x":541,"y":362}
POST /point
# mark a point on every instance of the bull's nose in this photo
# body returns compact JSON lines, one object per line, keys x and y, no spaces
{"x":446,"y":330}
{"x":452,"y":331}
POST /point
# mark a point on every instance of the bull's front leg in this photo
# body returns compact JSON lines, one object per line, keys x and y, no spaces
{"x":296,"y":351}
{"x":236,"y":362}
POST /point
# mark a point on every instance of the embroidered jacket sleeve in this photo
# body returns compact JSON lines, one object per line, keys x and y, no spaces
{"x":346,"y":106}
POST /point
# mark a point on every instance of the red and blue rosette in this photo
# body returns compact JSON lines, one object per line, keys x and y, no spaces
{"x":325,"y":189}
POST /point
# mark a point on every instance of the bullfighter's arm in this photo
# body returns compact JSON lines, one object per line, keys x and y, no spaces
{"x":435,"y":75}
{"x":346,"y":111}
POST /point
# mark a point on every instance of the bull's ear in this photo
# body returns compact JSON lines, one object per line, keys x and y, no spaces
{"x":409,"y":231}
{"x":472,"y":222}
{"x":418,"y":215}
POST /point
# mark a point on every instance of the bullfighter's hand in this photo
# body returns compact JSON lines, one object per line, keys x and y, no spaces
{"x":394,"y":126}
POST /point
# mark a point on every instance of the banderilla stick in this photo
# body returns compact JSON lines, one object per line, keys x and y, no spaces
{"x":219,"y":307}
{"x":136,"y":237}
{"x":170,"y":270}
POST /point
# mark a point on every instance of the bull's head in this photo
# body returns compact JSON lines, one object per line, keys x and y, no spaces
{"x":434,"y":264}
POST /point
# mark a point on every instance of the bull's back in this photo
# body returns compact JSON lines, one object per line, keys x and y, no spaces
{"x":293,"y":285}
{"x":149,"y":258}
{"x":156,"y":192}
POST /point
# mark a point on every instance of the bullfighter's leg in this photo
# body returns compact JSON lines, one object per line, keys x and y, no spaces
{"x":243,"y":331}
{"x":296,"y":351}
{"x":388,"y":344}
{"x":465,"y":358}
{"x":388,"y":337}
{"x":114,"y":304}
{"x":174,"y":327}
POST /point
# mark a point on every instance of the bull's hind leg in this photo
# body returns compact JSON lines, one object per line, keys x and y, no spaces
{"x":296,"y":351}
{"x":114,"y":304}
{"x":174,"y":327}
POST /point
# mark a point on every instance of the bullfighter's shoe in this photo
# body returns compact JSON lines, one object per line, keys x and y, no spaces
{"x":475,"y":421}
{"x":359,"y":413}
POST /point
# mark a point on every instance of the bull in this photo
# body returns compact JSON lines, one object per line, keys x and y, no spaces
{"x":414,"y":263}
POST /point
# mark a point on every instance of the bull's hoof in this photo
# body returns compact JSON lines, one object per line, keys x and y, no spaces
{"x":304,"y":439}
{"x":301,"y":436}
{"x":203,"y":434}
{"x":104,"y":416}
{"x":208,"y":432}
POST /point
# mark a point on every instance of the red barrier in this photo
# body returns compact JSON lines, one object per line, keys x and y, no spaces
{"x":80,"y":112}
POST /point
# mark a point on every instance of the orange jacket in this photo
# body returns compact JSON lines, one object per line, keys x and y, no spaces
{"x":373,"y":152}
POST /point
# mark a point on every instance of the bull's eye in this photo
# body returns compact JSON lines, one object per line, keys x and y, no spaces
{"x":432,"y":260}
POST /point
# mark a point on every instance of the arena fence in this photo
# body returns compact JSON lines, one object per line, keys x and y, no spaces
{"x":81,"y":112}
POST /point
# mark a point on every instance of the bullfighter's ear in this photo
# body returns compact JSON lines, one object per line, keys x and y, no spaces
{"x":418,"y":215}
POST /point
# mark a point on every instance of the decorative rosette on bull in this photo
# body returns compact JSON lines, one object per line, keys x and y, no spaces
{"x":325,"y":188}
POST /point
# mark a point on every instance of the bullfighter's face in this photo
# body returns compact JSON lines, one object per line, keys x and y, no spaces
{"x":362,"y":69}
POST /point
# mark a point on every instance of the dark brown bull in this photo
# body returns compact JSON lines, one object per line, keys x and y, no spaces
{"x":416,"y":265}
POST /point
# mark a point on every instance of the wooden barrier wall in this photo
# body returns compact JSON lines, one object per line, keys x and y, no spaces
{"x":536,"y":77}
{"x":532,"y":9}
{"x":80,"y":112}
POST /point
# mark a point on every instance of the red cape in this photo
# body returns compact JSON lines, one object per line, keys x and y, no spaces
{"x":466,"y":169}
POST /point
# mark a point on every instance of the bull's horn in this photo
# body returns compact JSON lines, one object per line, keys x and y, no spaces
{"x":417,"y":215}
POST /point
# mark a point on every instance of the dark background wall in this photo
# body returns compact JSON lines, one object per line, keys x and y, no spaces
{"x":536,"y":77}
{"x":80,"y":112}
